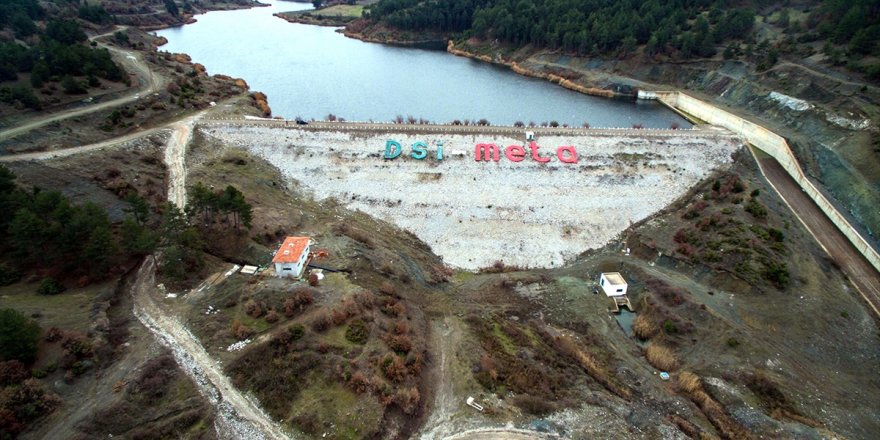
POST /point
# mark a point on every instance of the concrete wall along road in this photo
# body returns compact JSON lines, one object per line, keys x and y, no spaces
{"x":776,"y":146}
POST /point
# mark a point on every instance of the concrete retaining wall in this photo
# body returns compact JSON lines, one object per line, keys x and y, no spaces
{"x":776,"y":146}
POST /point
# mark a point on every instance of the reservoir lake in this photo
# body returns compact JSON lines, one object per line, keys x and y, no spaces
{"x":312,"y":71}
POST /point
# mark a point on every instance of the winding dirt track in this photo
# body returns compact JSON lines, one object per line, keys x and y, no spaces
{"x":238,"y":416}
{"x":150,"y":82}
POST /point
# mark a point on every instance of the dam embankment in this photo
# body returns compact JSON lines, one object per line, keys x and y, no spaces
{"x":516,"y":209}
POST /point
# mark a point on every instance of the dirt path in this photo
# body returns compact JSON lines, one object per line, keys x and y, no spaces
{"x":175,"y":159}
{"x":131,"y":60}
{"x":43,"y":155}
{"x":851,"y":262}
{"x":445,"y":337}
{"x":238,"y":417}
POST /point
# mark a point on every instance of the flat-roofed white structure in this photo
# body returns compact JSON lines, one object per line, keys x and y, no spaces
{"x":612,"y":283}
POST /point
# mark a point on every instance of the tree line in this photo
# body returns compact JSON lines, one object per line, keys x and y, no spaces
{"x":44,"y":230}
{"x":59,"y":52}
{"x":677,"y":28}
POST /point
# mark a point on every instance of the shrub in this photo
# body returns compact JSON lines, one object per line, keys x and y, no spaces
{"x":756,"y":209}
{"x":393,"y":367}
{"x":732,"y":342}
{"x":387,"y":288}
{"x":301,"y":298}
{"x":19,"y":336}
{"x":394,"y":308}
{"x":755,"y":193}
{"x":357,"y":332}
{"x":407,"y":399}
{"x":661,"y":357}
{"x":400,"y":344}
{"x":272,"y":317}
{"x":669,"y":327}
{"x":12,"y":372}
{"x":296,"y":332}
{"x":50,"y":286}
{"x":254,"y":309}
{"x":240,"y":331}
{"x":644,"y":327}
{"x":776,"y":272}
{"x":689,"y":382}
{"x":321,"y":323}
{"x":359,"y":382}
{"x":313,"y":280}
{"x":338,"y":317}
{"x":776,"y":234}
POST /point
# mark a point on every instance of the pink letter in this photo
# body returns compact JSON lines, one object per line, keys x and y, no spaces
{"x":515,"y":153}
{"x":489,"y":151}
{"x":572,"y":154}
{"x":535,"y":156}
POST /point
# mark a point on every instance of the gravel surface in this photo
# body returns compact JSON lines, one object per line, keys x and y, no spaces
{"x":475,"y":213}
{"x":238,"y":417}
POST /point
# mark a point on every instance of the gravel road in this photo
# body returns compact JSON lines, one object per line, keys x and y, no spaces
{"x":238,"y":416}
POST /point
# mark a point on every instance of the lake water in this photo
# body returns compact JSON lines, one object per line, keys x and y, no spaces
{"x":311,"y":71}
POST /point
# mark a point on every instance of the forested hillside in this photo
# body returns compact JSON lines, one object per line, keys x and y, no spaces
{"x":40,"y":49}
{"x":680,"y":29}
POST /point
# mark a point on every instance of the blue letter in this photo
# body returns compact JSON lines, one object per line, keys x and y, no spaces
{"x":392,"y":149}
{"x":420,"y":150}
{"x":440,"y":150}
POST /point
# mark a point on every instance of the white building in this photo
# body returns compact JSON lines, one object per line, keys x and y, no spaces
{"x":291,"y":257}
{"x":612,"y":284}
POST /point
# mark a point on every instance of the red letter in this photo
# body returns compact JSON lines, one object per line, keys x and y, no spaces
{"x":535,"y":156}
{"x":572,"y":154}
{"x":486,"y":150}
{"x":515,"y":153}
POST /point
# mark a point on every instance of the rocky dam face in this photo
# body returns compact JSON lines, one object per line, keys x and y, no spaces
{"x":543,"y":202}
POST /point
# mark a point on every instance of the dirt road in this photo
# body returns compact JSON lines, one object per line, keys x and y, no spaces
{"x":44,"y":155}
{"x":175,"y":159}
{"x":851,"y":262}
{"x":238,"y":417}
{"x":445,"y":337}
{"x":150,"y":82}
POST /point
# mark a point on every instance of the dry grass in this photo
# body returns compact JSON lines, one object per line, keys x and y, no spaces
{"x":644,"y":327}
{"x":691,"y":385}
{"x":661,"y":357}
{"x":689,"y":382}
{"x":592,"y":366}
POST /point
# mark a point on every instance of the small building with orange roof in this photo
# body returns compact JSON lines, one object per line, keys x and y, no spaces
{"x":290,"y":259}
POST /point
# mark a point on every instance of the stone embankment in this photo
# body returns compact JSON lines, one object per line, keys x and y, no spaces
{"x":473,"y":213}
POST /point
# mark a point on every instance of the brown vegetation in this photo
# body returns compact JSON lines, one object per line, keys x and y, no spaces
{"x":262,"y":103}
{"x":690,"y":384}
{"x":644,"y":327}
{"x":661,"y":357}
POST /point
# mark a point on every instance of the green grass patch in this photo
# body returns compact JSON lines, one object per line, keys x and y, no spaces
{"x":352,"y":11}
{"x":68,"y":310}
{"x":508,"y":345}
{"x":335,"y":337}
{"x":349,"y":415}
